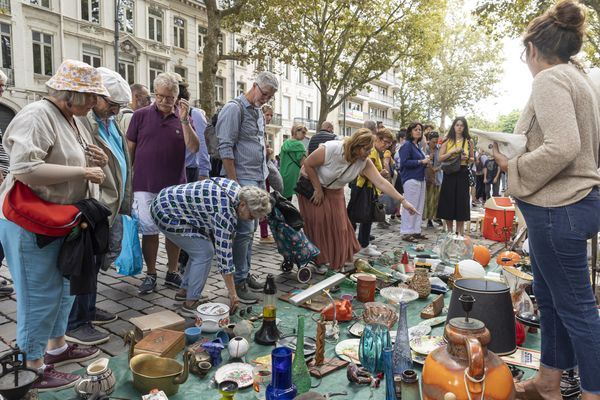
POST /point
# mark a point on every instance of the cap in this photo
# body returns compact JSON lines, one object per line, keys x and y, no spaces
{"x":118,"y":89}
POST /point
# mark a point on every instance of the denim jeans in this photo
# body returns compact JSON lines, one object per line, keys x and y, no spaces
{"x":570,"y":324}
{"x":364,"y":234}
{"x":197,"y":269}
{"x":242,"y":243}
{"x":83,"y":311}
{"x":43,"y":299}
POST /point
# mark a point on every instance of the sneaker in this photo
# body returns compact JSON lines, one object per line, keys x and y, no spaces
{"x":371,"y":238}
{"x":321,"y":269}
{"x":72,"y":354}
{"x":148,"y":285}
{"x":190,"y":311}
{"x":267,"y":240}
{"x":52,"y":379}
{"x":87,"y":335}
{"x":103,"y":317}
{"x":254,"y":284}
{"x":429,"y":223}
{"x":173,"y":279}
{"x":369,"y":252}
{"x":183,"y":297}
{"x":245,"y":295}
{"x":373,"y":246}
{"x":5,"y":288}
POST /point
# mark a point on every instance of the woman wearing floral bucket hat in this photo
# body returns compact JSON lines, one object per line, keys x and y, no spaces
{"x":51,"y":153}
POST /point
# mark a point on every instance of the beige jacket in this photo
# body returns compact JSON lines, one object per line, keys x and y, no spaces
{"x":110,"y":188}
{"x":562,"y":125}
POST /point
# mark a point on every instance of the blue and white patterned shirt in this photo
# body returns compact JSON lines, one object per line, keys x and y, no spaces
{"x":205,"y":209}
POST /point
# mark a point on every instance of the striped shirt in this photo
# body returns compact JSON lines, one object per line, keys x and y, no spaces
{"x":243,"y":139}
{"x":321,"y":137}
{"x":3,"y":158}
{"x":204,"y":209}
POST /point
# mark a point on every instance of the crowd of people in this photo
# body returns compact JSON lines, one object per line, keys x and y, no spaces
{"x":109,"y":149}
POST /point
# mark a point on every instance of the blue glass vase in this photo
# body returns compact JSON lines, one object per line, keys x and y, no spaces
{"x":388,"y":361}
{"x":402,"y":356}
{"x":375,"y":338}
{"x":281,"y":386}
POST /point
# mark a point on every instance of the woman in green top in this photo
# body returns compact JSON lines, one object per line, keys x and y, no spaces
{"x":292,"y":156}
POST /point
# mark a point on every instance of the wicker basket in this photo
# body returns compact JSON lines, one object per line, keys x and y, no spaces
{"x":420,"y":283}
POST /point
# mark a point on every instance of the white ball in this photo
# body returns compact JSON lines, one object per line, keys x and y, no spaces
{"x":470,"y":269}
{"x":238,"y":347}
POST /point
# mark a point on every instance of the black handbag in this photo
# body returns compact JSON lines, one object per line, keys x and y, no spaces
{"x":452,"y":166}
{"x":290,"y":213}
{"x":364,"y":206}
{"x":304,"y":187}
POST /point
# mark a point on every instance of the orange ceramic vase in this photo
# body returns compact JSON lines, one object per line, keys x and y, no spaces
{"x":465,"y":367}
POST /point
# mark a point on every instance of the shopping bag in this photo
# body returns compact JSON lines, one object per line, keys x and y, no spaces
{"x":130,"y":259}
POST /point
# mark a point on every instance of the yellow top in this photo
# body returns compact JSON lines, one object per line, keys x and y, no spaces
{"x":451,"y":145}
{"x":374,"y":156}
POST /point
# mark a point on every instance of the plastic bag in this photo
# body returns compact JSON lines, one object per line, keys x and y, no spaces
{"x":130,"y":260}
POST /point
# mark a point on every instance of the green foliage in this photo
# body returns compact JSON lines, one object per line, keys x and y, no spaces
{"x":506,"y":123}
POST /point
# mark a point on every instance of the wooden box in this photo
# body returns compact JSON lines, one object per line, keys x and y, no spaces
{"x":161,"y":320}
{"x":162,"y":343}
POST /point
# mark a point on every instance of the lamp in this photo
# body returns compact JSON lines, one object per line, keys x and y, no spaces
{"x":268,"y":333}
{"x":504,"y":231}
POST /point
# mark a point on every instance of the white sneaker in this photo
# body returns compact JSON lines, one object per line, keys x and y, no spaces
{"x":372,"y":246}
{"x":321,"y":269}
{"x":369,"y":252}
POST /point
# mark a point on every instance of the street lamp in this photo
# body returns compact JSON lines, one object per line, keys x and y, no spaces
{"x":116,"y":44}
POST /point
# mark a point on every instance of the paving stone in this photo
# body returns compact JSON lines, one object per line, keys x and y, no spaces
{"x":108,"y":280}
{"x":8,"y":332}
{"x":114,"y":294}
{"x":8,"y":306}
{"x":154,"y":309}
{"x":167,"y":303}
{"x":111,"y":306}
{"x":4,"y":320}
{"x":3,"y":347}
{"x":119,"y":327}
{"x":114,"y":346}
{"x":128,"y":314}
{"x":135,"y":302}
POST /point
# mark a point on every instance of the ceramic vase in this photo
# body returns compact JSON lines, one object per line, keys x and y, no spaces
{"x":402,"y":356}
{"x":388,"y":361}
{"x":375,"y":338}
{"x":420,"y":283}
{"x":98,"y":378}
{"x":238,"y":347}
{"x":281,"y":387}
{"x":300,"y":374}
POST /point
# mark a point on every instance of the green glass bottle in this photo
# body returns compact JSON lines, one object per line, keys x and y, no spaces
{"x":300,"y":374}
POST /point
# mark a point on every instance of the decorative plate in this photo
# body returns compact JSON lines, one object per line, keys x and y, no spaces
{"x":418,"y":331}
{"x":347,"y":350}
{"x":240,"y":373}
{"x":418,"y":358}
{"x":357,"y":329}
{"x":426,"y":344}
{"x":354,"y":277}
{"x":395,"y":295}
{"x":434,"y":321}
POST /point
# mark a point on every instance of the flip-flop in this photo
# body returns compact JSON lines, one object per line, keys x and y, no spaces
{"x":409,"y":238}
{"x":420,"y":236}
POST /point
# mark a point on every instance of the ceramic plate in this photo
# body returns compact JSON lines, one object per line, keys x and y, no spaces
{"x":355,"y":276}
{"x":418,"y":358}
{"x":426,"y":344}
{"x":418,"y":331}
{"x":356,"y":329}
{"x":310,"y":345}
{"x":434,"y":321}
{"x":240,"y":373}
{"x":395,"y":295}
{"x":347,"y":350}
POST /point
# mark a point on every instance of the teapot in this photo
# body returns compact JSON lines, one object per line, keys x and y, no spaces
{"x":150,"y":371}
{"x":465,"y":367}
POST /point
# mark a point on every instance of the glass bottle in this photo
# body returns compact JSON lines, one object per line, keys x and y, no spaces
{"x":390,"y":387}
{"x":300,"y":374}
{"x":402,"y":356}
{"x":410,"y":385}
{"x":281,"y":387}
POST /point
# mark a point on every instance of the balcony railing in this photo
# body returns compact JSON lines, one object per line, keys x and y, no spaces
{"x":352,"y":114}
{"x":310,"y":124}
{"x":276,"y":120}
{"x":4,"y":6}
{"x":11,"y":76}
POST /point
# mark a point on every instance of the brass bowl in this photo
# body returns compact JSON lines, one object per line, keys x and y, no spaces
{"x":379,"y":313}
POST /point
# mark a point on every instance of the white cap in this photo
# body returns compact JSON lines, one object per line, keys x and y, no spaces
{"x":118,"y":88}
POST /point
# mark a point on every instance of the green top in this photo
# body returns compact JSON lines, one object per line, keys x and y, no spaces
{"x":291,"y":155}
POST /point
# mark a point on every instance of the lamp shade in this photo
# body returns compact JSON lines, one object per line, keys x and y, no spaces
{"x":493,"y":307}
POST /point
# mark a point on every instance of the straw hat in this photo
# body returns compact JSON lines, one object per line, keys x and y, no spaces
{"x":77,"y":76}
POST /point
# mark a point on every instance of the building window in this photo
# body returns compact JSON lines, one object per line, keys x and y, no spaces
{"x":241,"y":88}
{"x":220,"y":44}
{"x":286,"y":72}
{"x":309,"y":106}
{"x":241,"y":48}
{"x":90,"y":11}
{"x":6,"y":45}
{"x":219,"y":89}
{"x":155,"y":69}
{"x":179,"y":32}
{"x":127,"y":69}
{"x":352,"y":106}
{"x":202,"y":33}
{"x":42,"y":53}
{"x":92,"y":56}
{"x":181,"y":71}
{"x":126,"y":16}
{"x":299,"y":108}
{"x":300,"y":76}
{"x":42,"y":3}
{"x":286,"y":107}
{"x":155,"y":25}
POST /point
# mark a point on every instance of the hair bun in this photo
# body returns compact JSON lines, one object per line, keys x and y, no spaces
{"x":569,"y":14}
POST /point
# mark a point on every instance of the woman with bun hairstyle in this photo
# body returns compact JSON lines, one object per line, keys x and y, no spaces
{"x":555,"y":184}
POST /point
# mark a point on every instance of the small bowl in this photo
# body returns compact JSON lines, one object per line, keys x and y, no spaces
{"x":192,"y":335}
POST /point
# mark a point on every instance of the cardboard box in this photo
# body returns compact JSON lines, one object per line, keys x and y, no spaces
{"x":161,"y":320}
{"x":161,"y":343}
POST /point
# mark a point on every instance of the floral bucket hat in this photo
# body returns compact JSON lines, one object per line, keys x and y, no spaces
{"x":77,"y":76}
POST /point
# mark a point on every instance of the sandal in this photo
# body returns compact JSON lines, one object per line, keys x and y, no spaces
{"x":420,"y":236}
{"x":409,"y":238}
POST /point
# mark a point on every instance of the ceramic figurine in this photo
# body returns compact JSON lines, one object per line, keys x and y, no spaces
{"x":214,"y":348}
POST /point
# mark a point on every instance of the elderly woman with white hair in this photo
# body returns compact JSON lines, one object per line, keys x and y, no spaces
{"x":51,"y":153}
{"x":201,"y":218}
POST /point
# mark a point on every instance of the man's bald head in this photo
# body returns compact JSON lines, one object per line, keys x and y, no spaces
{"x":140,"y":96}
{"x":327,"y":126}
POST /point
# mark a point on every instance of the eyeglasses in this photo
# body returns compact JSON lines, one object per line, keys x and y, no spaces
{"x":160,"y":97}
{"x":265,"y":94}
{"x":112,"y":103}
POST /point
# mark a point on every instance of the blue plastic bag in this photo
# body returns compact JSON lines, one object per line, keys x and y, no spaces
{"x":130,"y":260}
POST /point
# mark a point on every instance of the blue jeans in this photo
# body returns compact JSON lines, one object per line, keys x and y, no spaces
{"x":43,"y":299}
{"x":242,"y":243}
{"x":200,"y":254}
{"x":570,"y":324}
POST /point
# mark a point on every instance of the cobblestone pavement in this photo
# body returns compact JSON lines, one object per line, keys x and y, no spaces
{"x":118,"y":294}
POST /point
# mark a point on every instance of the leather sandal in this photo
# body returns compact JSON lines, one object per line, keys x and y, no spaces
{"x":409,"y":238}
{"x":420,"y":236}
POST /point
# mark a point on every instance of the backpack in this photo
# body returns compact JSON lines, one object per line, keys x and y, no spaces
{"x":210,"y":133}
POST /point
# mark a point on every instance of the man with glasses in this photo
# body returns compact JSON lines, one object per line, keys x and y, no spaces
{"x":241,"y":135}
{"x":140,"y":98}
{"x":158,"y":137}
{"x":115,"y":193}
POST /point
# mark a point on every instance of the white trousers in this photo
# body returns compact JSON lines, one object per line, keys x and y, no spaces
{"x":414,"y":192}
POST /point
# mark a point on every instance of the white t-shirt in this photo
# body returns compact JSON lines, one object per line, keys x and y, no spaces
{"x":336,"y":166}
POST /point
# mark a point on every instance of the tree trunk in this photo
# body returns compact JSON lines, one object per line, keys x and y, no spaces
{"x":443,"y":113}
{"x":323,"y":109}
{"x":210,"y":58}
